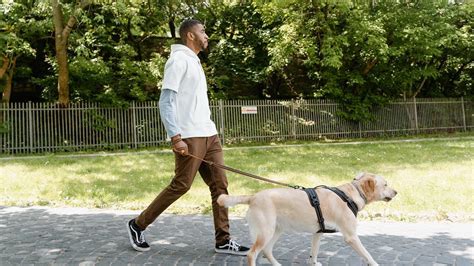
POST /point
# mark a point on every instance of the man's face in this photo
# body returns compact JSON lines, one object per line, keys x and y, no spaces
{"x":200,"y":36}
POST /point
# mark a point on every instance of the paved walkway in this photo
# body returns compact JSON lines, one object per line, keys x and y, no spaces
{"x":71,"y":236}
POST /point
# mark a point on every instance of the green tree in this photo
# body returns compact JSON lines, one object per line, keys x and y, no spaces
{"x":16,"y":25}
{"x":359,"y":53}
{"x":363,"y":55}
{"x":455,"y":65}
{"x":239,"y":57}
{"x":114,"y":54}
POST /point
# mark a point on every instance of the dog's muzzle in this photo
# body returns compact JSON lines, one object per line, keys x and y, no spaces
{"x":389,"y":198}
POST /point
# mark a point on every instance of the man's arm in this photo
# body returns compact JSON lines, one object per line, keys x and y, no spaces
{"x":168,"y":111}
{"x":167,"y":106}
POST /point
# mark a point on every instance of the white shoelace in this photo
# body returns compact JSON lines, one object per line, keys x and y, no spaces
{"x":142,"y":237}
{"x":233,"y":245}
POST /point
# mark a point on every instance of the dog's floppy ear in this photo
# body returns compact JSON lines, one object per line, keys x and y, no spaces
{"x":368,"y":186}
{"x":359,"y":176}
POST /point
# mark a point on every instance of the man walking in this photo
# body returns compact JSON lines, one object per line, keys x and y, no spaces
{"x":185,"y":112}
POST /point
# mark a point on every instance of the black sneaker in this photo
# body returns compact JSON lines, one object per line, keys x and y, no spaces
{"x":231,"y":247}
{"x":137,"y":237}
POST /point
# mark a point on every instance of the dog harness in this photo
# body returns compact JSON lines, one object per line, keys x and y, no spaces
{"x":313,"y":199}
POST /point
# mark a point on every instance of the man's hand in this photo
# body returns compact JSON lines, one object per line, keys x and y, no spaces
{"x":179,"y":146}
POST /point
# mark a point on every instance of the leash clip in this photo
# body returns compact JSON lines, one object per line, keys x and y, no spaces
{"x":297,"y":187}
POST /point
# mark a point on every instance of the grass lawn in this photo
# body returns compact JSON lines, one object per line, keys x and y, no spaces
{"x":434,"y":178}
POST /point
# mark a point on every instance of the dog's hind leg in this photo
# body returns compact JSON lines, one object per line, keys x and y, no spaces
{"x":268,"y":250}
{"x":315,"y":249}
{"x":261,"y":242}
{"x":261,"y":231}
{"x":254,"y":250}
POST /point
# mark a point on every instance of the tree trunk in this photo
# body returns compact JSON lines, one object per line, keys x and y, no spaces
{"x":410,"y":110}
{"x":63,"y":75}
{"x":61,"y":35}
{"x":6,"y":63}
{"x":172,"y":27}
{"x":369,"y":67}
{"x":7,"y":91}
{"x":61,"y":54}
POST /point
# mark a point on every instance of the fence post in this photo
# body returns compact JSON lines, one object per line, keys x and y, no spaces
{"x":293,"y":117}
{"x":221,"y":112}
{"x":30,"y":125}
{"x":463,"y":114}
{"x":360,"y":129}
{"x":416,"y":115}
{"x":134,"y":125}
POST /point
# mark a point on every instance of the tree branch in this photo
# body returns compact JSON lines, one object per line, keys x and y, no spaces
{"x":4,"y":68}
{"x":369,"y":67}
{"x":73,"y":18}
{"x":424,"y":79}
{"x":420,"y":87}
{"x":70,"y":24}
{"x":459,"y":71}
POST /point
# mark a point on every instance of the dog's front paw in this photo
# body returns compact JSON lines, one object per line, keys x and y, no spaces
{"x":313,"y":262}
{"x":372,"y":263}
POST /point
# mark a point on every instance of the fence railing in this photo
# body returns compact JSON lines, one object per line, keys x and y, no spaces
{"x":45,"y":127}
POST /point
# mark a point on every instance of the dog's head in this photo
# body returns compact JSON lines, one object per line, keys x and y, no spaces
{"x":375,"y":187}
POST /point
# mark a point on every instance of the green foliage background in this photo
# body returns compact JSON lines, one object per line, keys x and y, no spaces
{"x":359,"y":53}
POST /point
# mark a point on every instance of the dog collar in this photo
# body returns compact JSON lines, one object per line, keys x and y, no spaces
{"x":360,"y":192}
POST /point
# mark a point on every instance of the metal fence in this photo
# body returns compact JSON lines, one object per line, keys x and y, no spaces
{"x":45,"y":127}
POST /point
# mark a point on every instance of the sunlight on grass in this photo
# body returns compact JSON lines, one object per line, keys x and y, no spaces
{"x":433,"y":178}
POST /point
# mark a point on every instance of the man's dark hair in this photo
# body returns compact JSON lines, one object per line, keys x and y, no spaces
{"x":186,"y":26}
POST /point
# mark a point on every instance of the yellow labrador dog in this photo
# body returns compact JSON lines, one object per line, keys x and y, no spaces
{"x":273,"y":211}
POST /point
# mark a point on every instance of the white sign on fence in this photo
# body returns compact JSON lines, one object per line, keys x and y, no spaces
{"x":248,"y":110}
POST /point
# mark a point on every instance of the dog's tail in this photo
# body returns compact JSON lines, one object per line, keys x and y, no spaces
{"x":229,"y":201}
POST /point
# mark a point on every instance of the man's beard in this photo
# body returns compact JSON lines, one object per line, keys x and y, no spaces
{"x":203,"y":45}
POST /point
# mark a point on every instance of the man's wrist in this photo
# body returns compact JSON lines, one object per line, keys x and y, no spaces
{"x":175,"y":139}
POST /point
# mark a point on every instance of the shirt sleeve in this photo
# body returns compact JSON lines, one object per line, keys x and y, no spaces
{"x":167,"y":106}
{"x":175,"y":70}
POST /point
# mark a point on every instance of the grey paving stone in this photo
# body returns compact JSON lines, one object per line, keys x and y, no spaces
{"x":460,"y":261}
{"x":337,"y":261}
{"x":446,"y":260}
{"x":405,"y":257}
{"x":386,"y":263}
{"x":188,"y":240}
{"x":355,"y":261}
{"x":425,"y":259}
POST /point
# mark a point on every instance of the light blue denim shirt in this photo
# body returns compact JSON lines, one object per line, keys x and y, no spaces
{"x":167,"y":106}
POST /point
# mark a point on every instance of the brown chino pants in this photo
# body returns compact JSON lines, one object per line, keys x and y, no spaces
{"x":186,"y":168}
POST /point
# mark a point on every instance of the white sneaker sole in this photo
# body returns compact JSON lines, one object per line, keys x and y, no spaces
{"x":137,"y":248}
{"x":222,"y":251}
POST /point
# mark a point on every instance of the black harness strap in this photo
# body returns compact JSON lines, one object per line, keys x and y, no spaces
{"x":314,"y":200}
{"x":350,"y":203}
